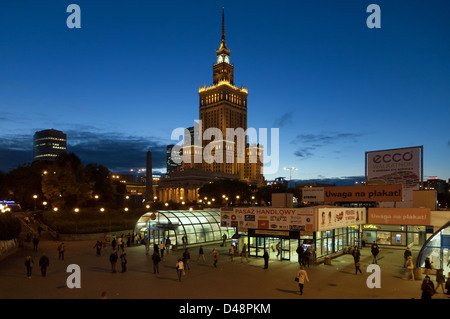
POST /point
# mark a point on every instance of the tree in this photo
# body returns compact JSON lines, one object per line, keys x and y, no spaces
{"x":100,"y":178}
{"x":65,"y":185}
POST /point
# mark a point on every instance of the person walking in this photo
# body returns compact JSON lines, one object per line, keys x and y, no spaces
{"x":161,"y":249}
{"x":44,"y":262}
{"x":266,"y":259}
{"x":356,"y":258}
{"x":406,"y":255}
{"x":375,"y":251}
{"x":427,"y":288}
{"x":302,"y":278}
{"x":29,"y":265}
{"x":201,"y":254}
{"x":180,"y":268}
{"x":184,"y":240}
{"x":186,"y":259}
{"x":61,"y":251}
{"x":114,"y":243}
{"x":156,"y":259}
{"x":128,"y":240}
{"x":113,"y":260}
{"x":123,"y":260}
{"x":168,"y":244}
{"x":35,"y":243}
{"x":307,"y":256}
{"x":300,"y":253}
{"x":231,"y":251}
{"x":147,"y":246}
{"x":224,"y":238}
{"x":440,"y":279}
{"x":428,"y":266}
{"x":278,"y":248}
{"x":99,"y":246}
{"x":244,"y":253}
{"x":410,"y":268}
{"x":447,"y":284}
{"x":215,"y":257}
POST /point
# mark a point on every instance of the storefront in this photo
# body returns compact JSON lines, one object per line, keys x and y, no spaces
{"x":399,"y":227}
{"x":280,"y":231}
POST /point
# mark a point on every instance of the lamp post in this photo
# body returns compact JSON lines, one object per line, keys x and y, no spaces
{"x":290,"y":173}
{"x":35,"y":197}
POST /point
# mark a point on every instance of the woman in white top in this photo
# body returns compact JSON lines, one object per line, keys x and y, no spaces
{"x":302,"y":277}
{"x":180,"y":268}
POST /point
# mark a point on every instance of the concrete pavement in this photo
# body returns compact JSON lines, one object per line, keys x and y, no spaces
{"x":230,"y":280}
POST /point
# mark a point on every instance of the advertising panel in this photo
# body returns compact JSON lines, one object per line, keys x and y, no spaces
{"x":312,"y":194}
{"x":364,"y":193}
{"x":337,"y":217}
{"x":399,"y":216}
{"x":360,"y":193}
{"x":396,"y":166}
{"x":288,"y":219}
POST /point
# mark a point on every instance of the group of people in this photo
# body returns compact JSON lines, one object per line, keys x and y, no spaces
{"x":304,"y":255}
{"x":44,"y":260}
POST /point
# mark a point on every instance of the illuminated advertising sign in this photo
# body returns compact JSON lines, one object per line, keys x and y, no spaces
{"x":268,"y":218}
{"x":366,"y":193}
{"x":396,"y":166}
{"x":337,"y":217}
{"x":399,"y":216}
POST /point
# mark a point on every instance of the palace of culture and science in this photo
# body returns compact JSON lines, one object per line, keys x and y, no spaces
{"x":222,"y":106}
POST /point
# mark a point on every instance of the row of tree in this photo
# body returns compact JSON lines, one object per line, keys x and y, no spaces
{"x":64,"y":183}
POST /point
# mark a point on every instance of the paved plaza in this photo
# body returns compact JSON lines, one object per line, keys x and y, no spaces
{"x":230,"y":280}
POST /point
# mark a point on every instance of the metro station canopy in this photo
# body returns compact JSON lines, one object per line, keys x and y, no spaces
{"x":200,"y":226}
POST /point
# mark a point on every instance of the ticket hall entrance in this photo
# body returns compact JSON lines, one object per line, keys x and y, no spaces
{"x":279,"y":244}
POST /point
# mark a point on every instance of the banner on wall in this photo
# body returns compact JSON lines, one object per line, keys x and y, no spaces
{"x":360,"y":193}
{"x":399,"y":216}
{"x":288,"y":219}
{"x":337,"y":217}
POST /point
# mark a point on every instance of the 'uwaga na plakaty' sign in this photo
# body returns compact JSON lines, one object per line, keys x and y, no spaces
{"x":363,"y":193}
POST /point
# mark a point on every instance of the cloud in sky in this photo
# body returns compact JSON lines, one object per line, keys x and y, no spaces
{"x":285,"y":120}
{"x":308,"y":143}
{"x":116,"y":151}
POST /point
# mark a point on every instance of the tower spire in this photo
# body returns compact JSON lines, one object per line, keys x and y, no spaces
{"x":223,"y":28}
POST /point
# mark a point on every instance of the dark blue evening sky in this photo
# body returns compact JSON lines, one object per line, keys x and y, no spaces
{"x":123,"y":82}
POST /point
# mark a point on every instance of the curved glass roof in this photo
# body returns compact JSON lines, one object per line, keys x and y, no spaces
{"x":200,"y":226}
{"x":437,"y":248}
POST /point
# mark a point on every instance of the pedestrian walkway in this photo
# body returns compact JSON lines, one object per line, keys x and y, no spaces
{"x":230,"y":280}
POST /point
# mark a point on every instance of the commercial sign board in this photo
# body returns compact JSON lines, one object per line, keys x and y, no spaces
{"x":396,"y":166}
{"x":362,"y":193}
{"x":280,"y":219}
{"x":399,"y":216}
{"x":312,"y":194}
{"x":337,"y":217}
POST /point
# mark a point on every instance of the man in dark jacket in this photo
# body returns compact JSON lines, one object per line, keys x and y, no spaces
{"x":113,"y":259}
{"x":375,"y":250}
{"x":44,"y":262}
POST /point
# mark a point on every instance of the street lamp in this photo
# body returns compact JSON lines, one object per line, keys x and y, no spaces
{"x":35,"y":197}
{"x":290,"y":172}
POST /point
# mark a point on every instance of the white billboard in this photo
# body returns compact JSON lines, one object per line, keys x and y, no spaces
{"x":396,"y":166}
{"x":332,"y":218}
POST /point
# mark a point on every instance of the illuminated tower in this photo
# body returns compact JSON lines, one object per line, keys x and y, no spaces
{"x":48,"y":144}
{"x":223,"y":106}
